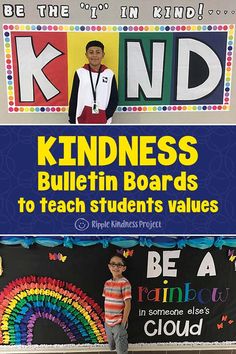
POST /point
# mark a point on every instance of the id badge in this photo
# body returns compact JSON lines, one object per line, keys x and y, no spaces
{"x":95,"y":109}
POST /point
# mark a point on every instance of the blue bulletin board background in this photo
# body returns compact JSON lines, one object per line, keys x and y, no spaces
{"x":215,"y":170}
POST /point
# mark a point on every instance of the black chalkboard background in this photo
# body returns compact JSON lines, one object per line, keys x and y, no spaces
{"x":86,"y":267}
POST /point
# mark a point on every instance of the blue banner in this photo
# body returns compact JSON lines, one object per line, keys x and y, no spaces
{"x":115,"y":180}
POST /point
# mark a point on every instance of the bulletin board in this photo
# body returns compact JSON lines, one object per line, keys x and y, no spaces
{"x":174,"y":61}
{"x":52,"y":293}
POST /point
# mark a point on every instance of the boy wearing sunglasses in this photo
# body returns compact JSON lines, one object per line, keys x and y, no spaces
{"x":117,"y":293}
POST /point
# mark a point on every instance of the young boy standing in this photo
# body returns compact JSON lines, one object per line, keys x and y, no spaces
{"x":117,"y":293}
{"x":94,"y":95}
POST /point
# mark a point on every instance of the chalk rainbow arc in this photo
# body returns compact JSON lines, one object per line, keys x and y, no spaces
{"x":26,"y":299}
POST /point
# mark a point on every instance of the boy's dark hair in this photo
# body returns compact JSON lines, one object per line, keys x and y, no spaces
{"x":95,"y":44}
{"x":120,"y":256}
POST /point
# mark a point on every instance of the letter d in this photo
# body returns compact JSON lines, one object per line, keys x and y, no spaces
{"x":196,"y":329}
{"x":187,"y":45}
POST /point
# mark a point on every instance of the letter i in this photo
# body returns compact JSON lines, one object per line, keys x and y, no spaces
{"x":165,"y":291}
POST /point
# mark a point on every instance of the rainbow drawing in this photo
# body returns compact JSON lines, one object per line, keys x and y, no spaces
{"x":26,"y":299}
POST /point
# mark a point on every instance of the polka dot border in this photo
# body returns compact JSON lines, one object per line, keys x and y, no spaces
{"x":7,"y":28}
{"x":117,"y":28}
{"x":172,"y":108}
{"x":36,"y":109}
{"x":124,"y":109}
{"x":228,"y":63}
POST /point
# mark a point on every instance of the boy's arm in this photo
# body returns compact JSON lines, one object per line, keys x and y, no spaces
{"x":74,"y":99}
{"x":126,"y":311}
{"x":113,"y":101}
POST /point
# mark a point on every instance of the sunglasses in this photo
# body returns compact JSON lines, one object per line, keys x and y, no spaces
{"x":118,"y":265}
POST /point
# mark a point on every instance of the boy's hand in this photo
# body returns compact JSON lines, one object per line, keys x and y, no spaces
{"x":126,"y":313}
{"x":124,"y":324}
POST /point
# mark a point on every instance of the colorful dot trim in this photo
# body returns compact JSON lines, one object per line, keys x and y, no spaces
{"x":172,"y":108}
{"x":36,"y":109}
{"x":117,"y":28}
{"x":225,"y":106}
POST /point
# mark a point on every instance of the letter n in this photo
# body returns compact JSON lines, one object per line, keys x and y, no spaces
{"x":139,"y":76}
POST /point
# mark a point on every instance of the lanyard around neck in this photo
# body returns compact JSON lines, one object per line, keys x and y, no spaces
{"x":91,"y":80}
